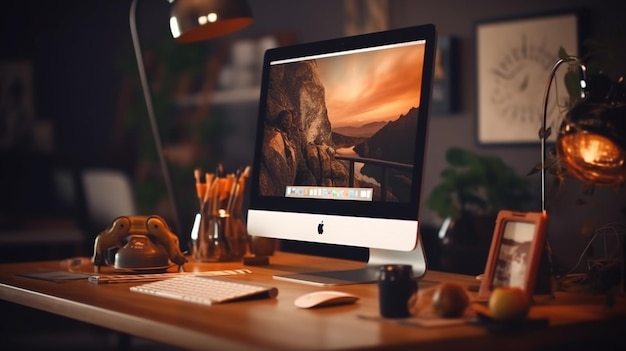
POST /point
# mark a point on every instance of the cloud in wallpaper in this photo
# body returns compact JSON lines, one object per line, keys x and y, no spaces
{"x":372,"y":87}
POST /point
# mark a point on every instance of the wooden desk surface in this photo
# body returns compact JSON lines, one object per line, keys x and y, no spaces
{"x":276,"y":324}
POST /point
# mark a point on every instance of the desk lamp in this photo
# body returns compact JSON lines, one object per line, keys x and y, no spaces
{"x":190,"y":21}
{"x":591,"y":143}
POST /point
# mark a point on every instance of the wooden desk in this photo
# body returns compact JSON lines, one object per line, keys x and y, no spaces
{"x":276,"y":324}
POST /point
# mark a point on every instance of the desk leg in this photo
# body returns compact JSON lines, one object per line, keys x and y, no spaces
{"x":122,"y":341}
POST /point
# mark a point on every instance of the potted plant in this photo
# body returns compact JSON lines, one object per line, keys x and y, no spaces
{"x":472,"y":190}
{"x":477,"y":184}
{"x":191,"y":133}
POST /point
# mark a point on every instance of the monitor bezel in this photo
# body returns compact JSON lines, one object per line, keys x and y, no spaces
{"x":374,"y":209}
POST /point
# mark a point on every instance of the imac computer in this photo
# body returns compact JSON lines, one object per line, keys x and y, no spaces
{"x":339,"y":155}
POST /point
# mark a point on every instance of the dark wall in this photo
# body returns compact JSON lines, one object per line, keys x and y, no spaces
{"x":72,"y":46}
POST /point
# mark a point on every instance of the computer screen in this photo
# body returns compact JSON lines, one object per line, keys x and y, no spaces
{"x":341,"y":137}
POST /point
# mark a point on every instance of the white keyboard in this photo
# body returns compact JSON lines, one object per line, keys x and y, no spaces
{"x":205,"y":290}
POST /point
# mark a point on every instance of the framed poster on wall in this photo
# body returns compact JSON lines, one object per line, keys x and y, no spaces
{"x":513,"y":60}
{"x":445,"y":94}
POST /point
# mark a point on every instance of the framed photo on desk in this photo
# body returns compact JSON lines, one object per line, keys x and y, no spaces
{"x":513,"y":62}
{"x":515,"y":253}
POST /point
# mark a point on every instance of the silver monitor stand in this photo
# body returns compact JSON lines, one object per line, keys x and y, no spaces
{"x":368,"y":273}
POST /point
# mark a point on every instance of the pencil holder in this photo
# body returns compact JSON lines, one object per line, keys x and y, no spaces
{"x":219,"y":232}
{"x":221,"y":237}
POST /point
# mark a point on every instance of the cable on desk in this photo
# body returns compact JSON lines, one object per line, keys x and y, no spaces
{"x":601,"y":273}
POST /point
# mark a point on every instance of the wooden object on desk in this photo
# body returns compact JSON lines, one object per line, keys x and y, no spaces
{"x":276,"y":324}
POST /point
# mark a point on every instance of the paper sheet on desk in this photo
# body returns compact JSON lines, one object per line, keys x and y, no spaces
{"x":131,"y":278}
{"x":56,"y":276}
{"x":420,"y":321}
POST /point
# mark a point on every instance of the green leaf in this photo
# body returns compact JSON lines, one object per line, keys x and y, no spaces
{"x":457,"y":157}
{"x":572,"y":84}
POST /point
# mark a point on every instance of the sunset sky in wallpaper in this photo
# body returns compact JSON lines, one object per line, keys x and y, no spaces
{"x":372,"y":86}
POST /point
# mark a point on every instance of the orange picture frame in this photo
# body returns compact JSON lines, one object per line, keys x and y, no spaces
{"x":515,"y":252}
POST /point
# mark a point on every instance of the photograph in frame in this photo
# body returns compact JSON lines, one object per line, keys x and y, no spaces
{"x":515,"y":253}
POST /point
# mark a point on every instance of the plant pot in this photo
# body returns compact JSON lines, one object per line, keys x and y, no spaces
{"x":465,"y":243}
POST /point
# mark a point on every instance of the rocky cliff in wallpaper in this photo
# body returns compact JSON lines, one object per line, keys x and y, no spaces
{"x":298,"y":146}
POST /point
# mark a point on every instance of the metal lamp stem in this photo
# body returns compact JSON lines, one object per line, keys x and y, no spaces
{"x":150,"y":108}
{"x":543,"y":133}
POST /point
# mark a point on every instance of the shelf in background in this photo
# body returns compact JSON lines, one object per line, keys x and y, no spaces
{"x":222,"y":97}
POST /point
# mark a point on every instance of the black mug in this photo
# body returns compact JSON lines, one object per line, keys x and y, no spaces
{"x":396,"y":284}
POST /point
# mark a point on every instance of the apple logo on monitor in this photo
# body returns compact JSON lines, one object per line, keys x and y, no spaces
{"x":320,"y":228}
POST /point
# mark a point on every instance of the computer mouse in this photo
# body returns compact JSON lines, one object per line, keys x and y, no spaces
{"x":325,"y":298}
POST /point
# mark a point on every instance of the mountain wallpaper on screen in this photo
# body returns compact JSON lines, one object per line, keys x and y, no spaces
{"x":300,"y":145}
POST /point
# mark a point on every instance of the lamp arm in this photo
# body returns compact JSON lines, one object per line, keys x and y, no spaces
{"x":153,"y":123}
{"x":543,"y":135}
